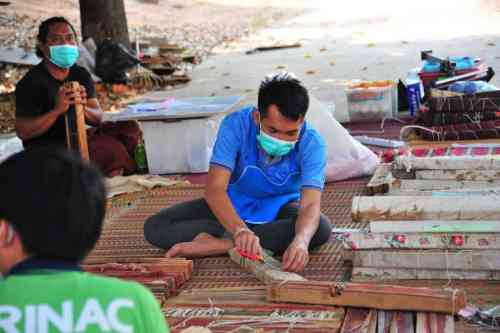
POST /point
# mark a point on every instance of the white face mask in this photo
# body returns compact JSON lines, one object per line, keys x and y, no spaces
{"x":10,"y":233}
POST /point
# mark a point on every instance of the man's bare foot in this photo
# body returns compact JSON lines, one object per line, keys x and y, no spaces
{"x":203,"y":245}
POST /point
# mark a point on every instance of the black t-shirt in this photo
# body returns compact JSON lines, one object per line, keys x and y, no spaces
{"x":36,"y":95}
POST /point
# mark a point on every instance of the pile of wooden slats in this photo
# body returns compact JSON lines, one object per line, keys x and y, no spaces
{"x":437,"y":217}
{"x":164,"y":277}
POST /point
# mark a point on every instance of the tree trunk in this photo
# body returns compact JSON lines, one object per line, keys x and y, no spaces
{"x":103,"y":19}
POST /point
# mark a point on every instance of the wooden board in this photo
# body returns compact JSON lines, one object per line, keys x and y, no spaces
{"x":451,"y":193}
{"x":488,"y":162}
{"x":76,"y":131}
{"x":459,"y":175}
{"x":381,"y":179}
{"x":373,"y":296}
{"x":268,"y":271}
{"x":391,"y":274}
{"x":429,"y":259}
{"x":410,"y":186}
{"x":473,"y":226}
{"x":370,"y":208}
{"x":395,"y":240}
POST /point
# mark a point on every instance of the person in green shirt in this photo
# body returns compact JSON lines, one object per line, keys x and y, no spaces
{"x":52,"y":206}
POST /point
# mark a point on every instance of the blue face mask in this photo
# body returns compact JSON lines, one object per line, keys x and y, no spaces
{"x":274,"y":146}
{"x":64,"y":56}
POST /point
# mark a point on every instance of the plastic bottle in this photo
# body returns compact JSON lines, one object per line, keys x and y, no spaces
{"x":140,"y":158}
{"x":414,"y":91}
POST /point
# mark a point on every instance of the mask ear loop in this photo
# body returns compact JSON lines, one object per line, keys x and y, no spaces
{"x":10,"y":234}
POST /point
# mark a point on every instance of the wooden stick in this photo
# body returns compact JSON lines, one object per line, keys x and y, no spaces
{"x":381,"y":180}
{"x":383,"y":297}
{"x":459,"y":175}
{"x":435,"y":226}
{"x":478,"y":260}
{"x":465,"y":192}
{"x":488,"y":162}
{"x":365,"y":208}
{"x":267,"y":271}
{"x":395,"y":240}
{"x":76,"y":132}
{"x":391,"y":274}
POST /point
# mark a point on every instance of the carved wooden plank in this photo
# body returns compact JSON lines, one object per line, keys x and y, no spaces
{"x":390,"y":274}
{"x":488,"y":162}
{"x":268,"y":271}
{"x":408,"y":186}
{"x":359,"y":321}
{"x":381,"y":179}
{"x":477,"y":226}
{"x":459,"y":175}
{"x":429,"y":259}
{"x":373,"y":296}
{"x":366,"y":208}
{"x":395,"y":240}
{"x":76,"y":131}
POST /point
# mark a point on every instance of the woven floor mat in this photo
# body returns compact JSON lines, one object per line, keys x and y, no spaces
{"x":122,"y":236}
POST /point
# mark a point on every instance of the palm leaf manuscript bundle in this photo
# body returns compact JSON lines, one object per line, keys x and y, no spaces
{"x":438,"y":217}
{"x":373,"y":321}
{"x":227,"y":309}
{"x":164,"y":277}
{"x":463,"y":117}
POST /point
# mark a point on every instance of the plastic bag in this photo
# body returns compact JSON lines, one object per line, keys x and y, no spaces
{"x":346,"y":157}
{"x":112,"y":61}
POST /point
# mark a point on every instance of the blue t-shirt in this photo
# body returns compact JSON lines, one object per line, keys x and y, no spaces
{"x":238,"y":131}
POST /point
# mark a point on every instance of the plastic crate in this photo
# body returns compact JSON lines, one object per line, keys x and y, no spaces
{"x":372,"y":100}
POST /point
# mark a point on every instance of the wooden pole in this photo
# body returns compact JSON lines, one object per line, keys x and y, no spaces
{"x":76,"y":131}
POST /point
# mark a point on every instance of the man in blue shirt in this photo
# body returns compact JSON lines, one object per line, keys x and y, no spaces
{"x":264,"y":185}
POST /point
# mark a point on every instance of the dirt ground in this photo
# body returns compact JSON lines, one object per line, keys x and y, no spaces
{"x":197,"y":24}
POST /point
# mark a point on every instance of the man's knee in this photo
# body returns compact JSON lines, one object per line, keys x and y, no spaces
{"x":153,"y":232}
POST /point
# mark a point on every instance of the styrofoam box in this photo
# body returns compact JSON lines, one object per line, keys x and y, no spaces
{"x":373,"y":103}
{"x":183,"y":146}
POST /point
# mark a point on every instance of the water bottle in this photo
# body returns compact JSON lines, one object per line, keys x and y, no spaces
{"x":140,"y":158}
{"x":414,"y":91}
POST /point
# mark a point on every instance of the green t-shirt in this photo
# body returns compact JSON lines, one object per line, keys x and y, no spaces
{"x":62,"y":301}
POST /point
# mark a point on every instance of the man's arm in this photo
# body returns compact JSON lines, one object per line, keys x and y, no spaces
{"x":93,"y":112}
{"x":31,"y":127}
{"x":220,"y":204}
{"x":296,"y":256}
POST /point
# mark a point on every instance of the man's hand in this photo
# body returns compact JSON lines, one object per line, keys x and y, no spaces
{"x":296,"y":256}
{"x":67,"y":97}
{"x":83,"y":96}
{"x":246,"y":240}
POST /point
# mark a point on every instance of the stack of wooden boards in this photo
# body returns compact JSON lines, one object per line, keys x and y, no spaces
{"x":164,"y":277}
{"x":438,"y":217}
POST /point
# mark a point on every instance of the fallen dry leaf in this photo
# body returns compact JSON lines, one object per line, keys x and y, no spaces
{"x":281,"y":67}
{"x":332,"y":63}
{"x":323,"y":49}
{"x":311,"y":72}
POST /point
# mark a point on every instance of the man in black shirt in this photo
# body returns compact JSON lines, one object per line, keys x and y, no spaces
{"x":42,"y":100}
